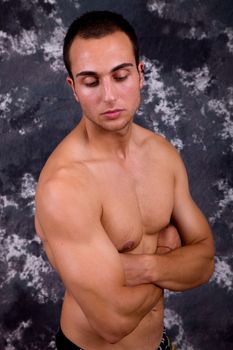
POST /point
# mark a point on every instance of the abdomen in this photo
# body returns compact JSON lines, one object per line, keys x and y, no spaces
{"x":76,"y":327}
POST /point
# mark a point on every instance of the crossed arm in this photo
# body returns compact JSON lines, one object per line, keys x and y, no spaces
{"x":190,"y":262}
{"x":116,"y":291}
{"x":69,"y":213}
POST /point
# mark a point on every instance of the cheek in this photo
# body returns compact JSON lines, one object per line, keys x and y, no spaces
{"x":88,"y":98}
{"x":132,"y":92}
{"x":132,"y":86}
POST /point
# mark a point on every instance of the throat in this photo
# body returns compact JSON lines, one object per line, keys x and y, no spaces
{"x":129,"y":245}
{"x":111,"y":142}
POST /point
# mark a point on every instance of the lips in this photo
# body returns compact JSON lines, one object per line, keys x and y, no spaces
{"x":112,"y":113}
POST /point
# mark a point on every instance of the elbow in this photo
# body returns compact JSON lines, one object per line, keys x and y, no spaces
{"x":117,"y":332}
{"x":113,"y":337}
{"x":114,"y":330}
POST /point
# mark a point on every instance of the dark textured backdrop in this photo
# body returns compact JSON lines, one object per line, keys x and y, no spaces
{"x":188,"y":97}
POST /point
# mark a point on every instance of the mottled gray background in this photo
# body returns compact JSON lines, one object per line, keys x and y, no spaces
{"x":188,"y":97}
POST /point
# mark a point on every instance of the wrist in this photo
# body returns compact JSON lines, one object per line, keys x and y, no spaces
{"x":150,"y":268}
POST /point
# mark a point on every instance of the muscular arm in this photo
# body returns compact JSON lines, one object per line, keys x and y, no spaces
{"x":191,"y":264}
{"x":69,"y":213}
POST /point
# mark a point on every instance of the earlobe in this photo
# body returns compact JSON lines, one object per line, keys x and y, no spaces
{"x":76,"y":97}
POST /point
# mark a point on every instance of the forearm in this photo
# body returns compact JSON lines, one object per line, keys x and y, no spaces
{"x":133,"y":304}
{"x":184,"y":268}
{"x":118,"y":309}
{"x":137,"y":301}
{"x":120,"y":313}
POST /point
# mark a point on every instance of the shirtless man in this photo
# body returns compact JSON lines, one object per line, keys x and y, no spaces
{"x":105,"y":200}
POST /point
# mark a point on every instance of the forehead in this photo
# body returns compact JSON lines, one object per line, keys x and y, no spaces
{"x":101,"y":54}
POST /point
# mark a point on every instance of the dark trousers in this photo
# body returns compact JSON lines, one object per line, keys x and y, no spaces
{"x":63,"y":343}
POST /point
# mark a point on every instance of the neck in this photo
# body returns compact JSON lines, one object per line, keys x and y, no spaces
{"x":114,"y":143}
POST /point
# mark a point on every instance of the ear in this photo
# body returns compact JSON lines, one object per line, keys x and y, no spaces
{"x":141,"y":73}
{"x":70,"y":82}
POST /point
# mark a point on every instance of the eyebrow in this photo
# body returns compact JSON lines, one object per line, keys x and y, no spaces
{"x":92,"y":73}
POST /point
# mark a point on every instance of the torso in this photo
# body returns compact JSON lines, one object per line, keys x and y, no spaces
{"x":137,"y":200}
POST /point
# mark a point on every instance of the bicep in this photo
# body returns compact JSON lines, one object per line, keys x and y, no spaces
{"x":91,"y":272}
{"x":188,"y":218}
{"x":87,"y":265}
{"x":87,"y":262}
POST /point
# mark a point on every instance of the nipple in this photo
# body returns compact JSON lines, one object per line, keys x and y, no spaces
{"x":127,"y":246}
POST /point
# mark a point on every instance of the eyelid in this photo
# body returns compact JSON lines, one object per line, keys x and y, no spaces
{"x":121,"y":78}
{"x":90,"y":78}
{"x":122,"y":71}
{"x":90,"y":81}
{"x":95,"y":83}
{"x":121,"y":74}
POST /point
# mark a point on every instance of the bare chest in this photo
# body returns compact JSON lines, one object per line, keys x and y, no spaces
{"x":136,"y":206}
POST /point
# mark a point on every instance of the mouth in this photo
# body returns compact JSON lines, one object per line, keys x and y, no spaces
{"x":112,"y":113}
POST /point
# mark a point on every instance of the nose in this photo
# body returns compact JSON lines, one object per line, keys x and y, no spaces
{"x":108,"y":91}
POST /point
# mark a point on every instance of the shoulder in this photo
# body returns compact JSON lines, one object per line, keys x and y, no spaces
{"x":157,"y":149}
{"x":65,"y":168}
{"x":157,"y":145}
{"x":65,"y":190}
{"x":72,"y":175}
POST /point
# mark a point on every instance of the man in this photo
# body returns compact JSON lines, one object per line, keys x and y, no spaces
{"x":106,"y":199}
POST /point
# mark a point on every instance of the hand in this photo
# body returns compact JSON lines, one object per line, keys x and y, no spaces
{"x":135,"y":268}
{"x":168,"y":240}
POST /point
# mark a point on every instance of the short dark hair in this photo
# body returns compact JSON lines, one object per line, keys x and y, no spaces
{"x":97,"y":24}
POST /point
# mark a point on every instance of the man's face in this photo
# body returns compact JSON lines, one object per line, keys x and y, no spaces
{"x":106,"y":81}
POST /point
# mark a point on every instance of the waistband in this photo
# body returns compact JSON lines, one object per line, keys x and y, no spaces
{"x":63,"y":343}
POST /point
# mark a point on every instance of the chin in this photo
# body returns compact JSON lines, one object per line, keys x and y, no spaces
{"x":117,"y":125}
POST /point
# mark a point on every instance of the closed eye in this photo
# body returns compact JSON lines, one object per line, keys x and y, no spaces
{"x":91,"y":83}
{"x":121,"y":78}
